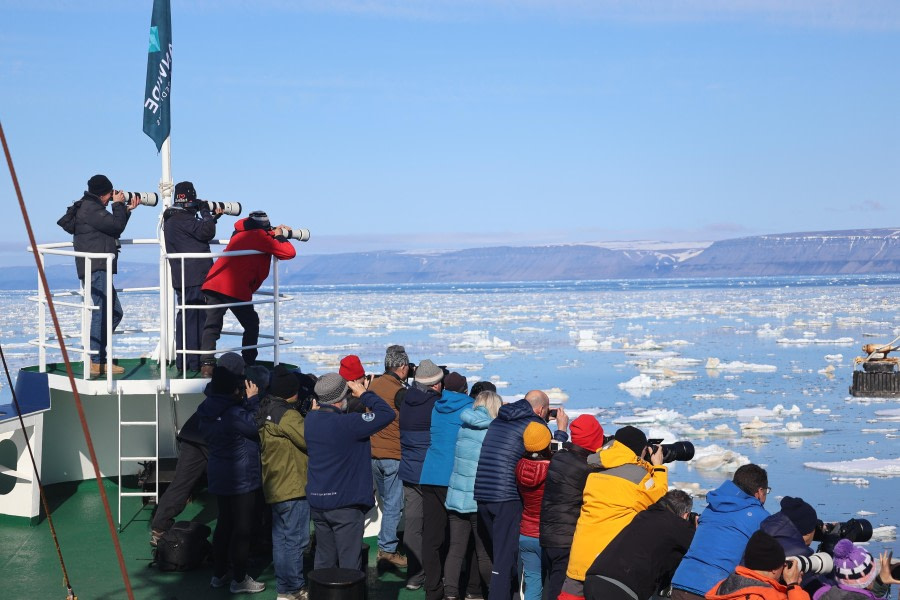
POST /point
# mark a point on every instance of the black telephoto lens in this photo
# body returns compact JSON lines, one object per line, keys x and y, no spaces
{"x":681,"y":451}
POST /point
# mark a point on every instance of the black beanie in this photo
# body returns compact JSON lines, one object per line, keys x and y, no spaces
{"x":99,"y":185}
{"x":258,"y":219}
{"x":763,"y":552}
{"x":224,"y":381}
{"x":185,"y":192}
{"x":801,"y":514}
{"x":633,"y":438}
{"x":283,"y":384}
{"x":482,"y":386}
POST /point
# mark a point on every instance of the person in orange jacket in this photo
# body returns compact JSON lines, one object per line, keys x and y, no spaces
{"x":764,"y":574}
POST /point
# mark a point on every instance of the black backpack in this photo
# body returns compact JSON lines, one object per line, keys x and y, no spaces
{"x":67,"y":221}
{"x":183,"y":547}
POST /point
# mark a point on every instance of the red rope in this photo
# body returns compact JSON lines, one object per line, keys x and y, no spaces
{"x":65,"y":355}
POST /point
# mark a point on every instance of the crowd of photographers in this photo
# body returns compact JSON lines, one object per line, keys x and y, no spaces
{"x":496,"y":504}
{"x":493,"y":501}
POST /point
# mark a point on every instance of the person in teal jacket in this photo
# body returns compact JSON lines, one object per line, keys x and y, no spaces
{"x":734,"y":513}
{"x":463,"y":510}
{"x":435,"y":478}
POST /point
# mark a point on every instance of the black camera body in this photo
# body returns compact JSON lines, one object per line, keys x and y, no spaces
{"x":680,"y":451}
{"x":829,"y":534}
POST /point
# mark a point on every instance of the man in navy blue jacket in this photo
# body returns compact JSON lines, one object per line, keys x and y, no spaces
{"x":339,"y":480}
{"x":499,"y":503}
{"x":188,"y":227}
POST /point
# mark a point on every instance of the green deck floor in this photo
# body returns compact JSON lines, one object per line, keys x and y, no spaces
{"x":30,"y":568}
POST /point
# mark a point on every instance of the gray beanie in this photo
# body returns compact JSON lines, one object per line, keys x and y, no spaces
{"x":394,"y":357}
{"x":331,"y":388}
{"x":428,"y":373}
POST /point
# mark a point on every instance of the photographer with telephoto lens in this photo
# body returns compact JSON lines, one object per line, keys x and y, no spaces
{"x":235,"y":279}
{"x":95,"y":229}
{"x":189,"y":226}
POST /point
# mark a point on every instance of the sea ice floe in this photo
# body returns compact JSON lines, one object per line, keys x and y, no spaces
{"x":720,"y":430}
{"x":885,"y":533}
{"x":712,"y":413}
{"x":858,"y":481}
{"x":714,"y":364}
{"x":843,"y":341}
{"x":797,"y":428}
{"x":651,"y":415}
{"x":760,"y":412}
{"x":889,"y":414}
{"x":691,"y":488}
{"x":644,"y":382}
{"x":725,"y":396}
{"x":557,"y":396}
{"x":886,"y":467}
{"x":716,"y":458}
{"x":834,"y":357}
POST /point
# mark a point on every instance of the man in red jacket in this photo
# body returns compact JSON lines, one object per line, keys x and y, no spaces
{"x":235,"y":278}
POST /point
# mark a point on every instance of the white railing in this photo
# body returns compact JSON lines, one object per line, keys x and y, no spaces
{"x":45,"y":341}
{"x":275,"y":299}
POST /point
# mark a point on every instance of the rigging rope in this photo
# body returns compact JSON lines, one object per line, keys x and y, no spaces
{"x":65,"y":355}
{"x":70,"y":595}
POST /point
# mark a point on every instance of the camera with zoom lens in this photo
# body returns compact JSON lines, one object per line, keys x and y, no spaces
{"x":145,"y":198}
{"x":680,"y":451}
{"x":829,"y":534}
{"x":232,"y":209}
{"x":819,"y":563}
{"x":299,"y":234}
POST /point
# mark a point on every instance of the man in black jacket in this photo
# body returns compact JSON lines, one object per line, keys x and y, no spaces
{"x":643,"y":557}
{"x":189,"y":227}
{"x":96,"y":230}
{"x":561,"y":505}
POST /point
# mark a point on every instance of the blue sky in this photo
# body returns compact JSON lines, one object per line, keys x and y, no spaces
{"x":456,"y":123}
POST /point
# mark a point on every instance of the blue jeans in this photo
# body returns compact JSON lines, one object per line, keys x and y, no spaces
{"x":98,"y":317}
{"x":533,"y":566}
{"x":290,"y":537}
{"x":390,"y":490}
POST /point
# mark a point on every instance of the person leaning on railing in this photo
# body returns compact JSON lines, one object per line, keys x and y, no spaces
{"x":98,"y":230}
{"x":235,"y":279}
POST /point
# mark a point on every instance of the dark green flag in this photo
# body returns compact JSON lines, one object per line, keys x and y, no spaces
{"x":158,"y":92}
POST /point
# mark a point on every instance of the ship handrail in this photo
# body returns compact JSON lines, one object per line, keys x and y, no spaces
{"x":168,"y":304}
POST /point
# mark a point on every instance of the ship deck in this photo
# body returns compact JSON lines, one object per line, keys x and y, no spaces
{"x":30,"y":567}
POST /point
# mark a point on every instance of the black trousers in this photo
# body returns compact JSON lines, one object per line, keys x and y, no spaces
{"x":212,"y":329}
{"x":189,"y":468}
{"x":238,"y":516}
{"x":194,"y":319}
{"x":434,"y":536}
{"x":339,"y":535}
{"x":465,"y":541}
{"x":558,"y":559}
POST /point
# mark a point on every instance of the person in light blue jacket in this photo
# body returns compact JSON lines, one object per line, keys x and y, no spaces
{"x":734,"y":513}
{"x":463,"y":510}
{"x":435,"y":477}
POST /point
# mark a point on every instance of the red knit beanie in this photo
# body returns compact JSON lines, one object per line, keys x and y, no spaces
{"x":351,"y":368}
{"x":587,"y":432}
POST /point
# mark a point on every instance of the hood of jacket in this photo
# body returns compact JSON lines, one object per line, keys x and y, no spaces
{"x":531,"y":473}
{"x":419,"y":399}
{"x":476,"y":418}
{"x":514,"y":411}
{"x":616,"y":455}
{"x":730,"y":498}
{"x":451,"y":402}
{"x":214,"y":406}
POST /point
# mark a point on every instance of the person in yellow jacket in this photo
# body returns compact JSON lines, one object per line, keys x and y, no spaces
{"x":627,"y":485}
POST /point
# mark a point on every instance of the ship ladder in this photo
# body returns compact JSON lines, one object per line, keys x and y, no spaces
{"x":123,"y":425}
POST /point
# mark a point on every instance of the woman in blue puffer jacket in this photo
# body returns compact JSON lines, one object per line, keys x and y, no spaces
{"x":463,"y":510}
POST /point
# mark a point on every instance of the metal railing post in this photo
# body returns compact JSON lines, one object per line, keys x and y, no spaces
{"x":275,"y":310}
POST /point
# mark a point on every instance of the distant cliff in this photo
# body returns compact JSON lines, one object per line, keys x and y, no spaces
{"x":868,"y":251}
{"x":861,"y":251}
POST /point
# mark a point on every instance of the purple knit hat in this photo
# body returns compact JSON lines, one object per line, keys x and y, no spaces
{"x":853,"y":566}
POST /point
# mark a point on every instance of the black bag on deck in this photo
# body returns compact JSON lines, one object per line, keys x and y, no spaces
{"x":183,"y":547}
